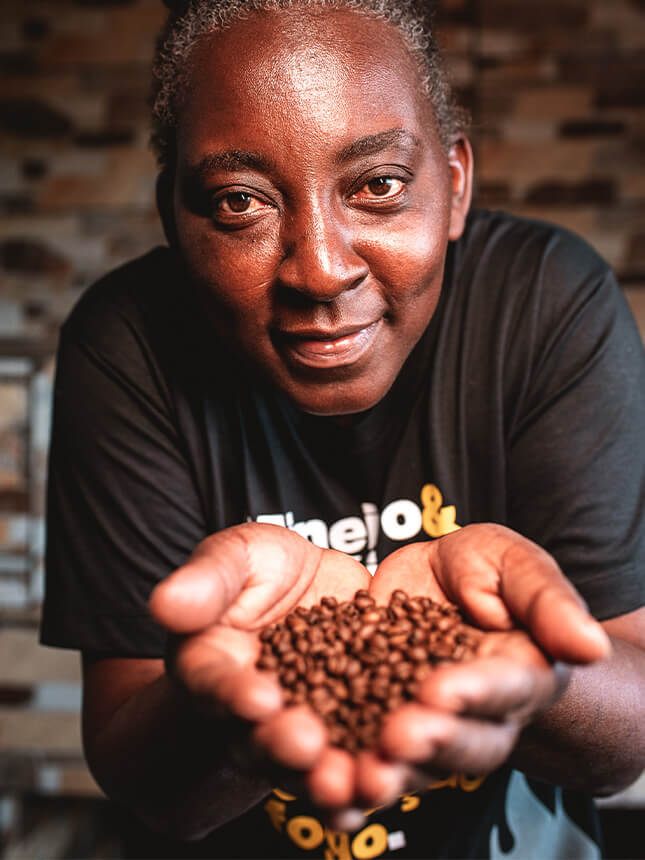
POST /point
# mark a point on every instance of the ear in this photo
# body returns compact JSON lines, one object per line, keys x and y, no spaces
{"x":165,"y":189}
{"x":460,"y":160}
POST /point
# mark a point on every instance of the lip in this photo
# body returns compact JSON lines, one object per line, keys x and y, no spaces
{"x":318,"y":348}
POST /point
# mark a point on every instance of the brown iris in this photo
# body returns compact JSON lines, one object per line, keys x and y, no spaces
{"x":238,"y":201}
{"x":380,"y":186}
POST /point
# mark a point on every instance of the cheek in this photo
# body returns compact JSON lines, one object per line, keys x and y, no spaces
{"x":409,"y":261}
{"x":234,"y":272}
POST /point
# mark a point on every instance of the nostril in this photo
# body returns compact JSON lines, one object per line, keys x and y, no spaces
{"x":320,"y":262}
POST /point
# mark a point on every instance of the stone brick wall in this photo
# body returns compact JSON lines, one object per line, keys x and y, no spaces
{"x":557,"y":93}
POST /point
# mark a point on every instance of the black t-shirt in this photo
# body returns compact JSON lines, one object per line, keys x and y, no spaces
{"x":522,"y":404}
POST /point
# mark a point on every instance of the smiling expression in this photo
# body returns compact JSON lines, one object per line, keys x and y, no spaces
{"x":313,"y":201}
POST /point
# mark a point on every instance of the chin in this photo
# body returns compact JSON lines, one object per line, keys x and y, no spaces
{"x":339,"y":403}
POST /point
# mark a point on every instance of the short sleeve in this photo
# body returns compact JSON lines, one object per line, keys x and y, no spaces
{"x":123,"y":507}
{"x":576,"y":479}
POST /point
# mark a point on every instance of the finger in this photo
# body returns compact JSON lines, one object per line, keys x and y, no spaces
{"x":219,"y":684}
{"x":406,"y":568}
{"x":294,"y":737}
{"x":332,"y":780}
{"x":338,"y":574}
{"x":379,"y":781}
{"x":493,"y":687}
{"x":490,"y":570}
{"x":441,"y":740}
{"x":198,"y":593}
{"x":250,"y":574}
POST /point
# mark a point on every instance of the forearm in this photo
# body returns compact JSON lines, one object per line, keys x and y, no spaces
{"x":179,"y":770}
{"x":593,"y":738}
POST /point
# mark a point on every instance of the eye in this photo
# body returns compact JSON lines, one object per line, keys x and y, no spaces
{"x":238,"y":203}
{"x":380,"y":188}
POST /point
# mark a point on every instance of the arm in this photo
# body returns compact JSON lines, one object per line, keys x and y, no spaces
{"x":593,"y":739}
{"x":179,"y":770}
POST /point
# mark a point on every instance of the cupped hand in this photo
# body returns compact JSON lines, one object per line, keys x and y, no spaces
{"x":469,"y":715}
{"x":235,"y":583}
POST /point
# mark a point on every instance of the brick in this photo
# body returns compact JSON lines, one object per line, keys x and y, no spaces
{"x":528,"y":130}
{"x":13,"y":533}
{"x":625,"y":155}
{"x":32,"y":257}
{"x":502,"y":44}
{"x":55,"y":87}
{"x":527,"y":163}
{"x":111,"y":36}
{"x":636,"y":250}
{"x":13,"y":405}
{"x":492,"y":194}
{"x":632,"y":185}
{"x":625,"y":217}
{"x":616,"y":79}
{"x":553,"y":102}
{"x":531,"y":16}
{"x":40,"y":732}
{"x":129,"y":180}
{"x":18,"y":203}
{"x":592,"y":128}
{"x":14,"y":500}
{"x":74,"y":161}
{"x":625,"y":17}
{"x":25,"y":661}
{"x":596,"y":42}
{"x":105,"y":137}
{"x":518,"y":74}
{"x":590,"y":191}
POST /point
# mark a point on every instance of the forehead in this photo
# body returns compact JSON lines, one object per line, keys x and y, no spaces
{"x":302,"y":71}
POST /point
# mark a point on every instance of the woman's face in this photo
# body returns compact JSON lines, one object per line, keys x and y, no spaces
{"x":313,"y":201}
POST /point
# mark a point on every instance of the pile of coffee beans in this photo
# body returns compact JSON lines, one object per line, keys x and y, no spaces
{"x":352,"y":662}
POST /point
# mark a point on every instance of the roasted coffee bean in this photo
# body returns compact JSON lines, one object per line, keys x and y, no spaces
{"x":354,"y":661}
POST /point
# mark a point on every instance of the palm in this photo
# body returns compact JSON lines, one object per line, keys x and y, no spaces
{"x":234,"y":585}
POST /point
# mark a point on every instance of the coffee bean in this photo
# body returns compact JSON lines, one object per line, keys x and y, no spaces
{"x":354,"y":661}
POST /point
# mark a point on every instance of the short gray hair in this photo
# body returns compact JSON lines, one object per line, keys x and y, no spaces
{"x":190,"y":20}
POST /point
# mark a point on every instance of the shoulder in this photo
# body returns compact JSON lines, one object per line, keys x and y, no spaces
{"x":500,"y":240}
{"x":533,"y":272}
{"x":124,"y":297}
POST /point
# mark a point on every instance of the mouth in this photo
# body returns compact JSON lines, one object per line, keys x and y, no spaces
{"x":318,"y":348}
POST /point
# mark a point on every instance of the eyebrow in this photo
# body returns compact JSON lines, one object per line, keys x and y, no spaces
{"x":231,"y":159}
{"x":240,"y":159}
{"x":373,"y":143}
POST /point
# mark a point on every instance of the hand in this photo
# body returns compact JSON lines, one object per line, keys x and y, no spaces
{"x":234,"y":584}
{"x":469,"y":715}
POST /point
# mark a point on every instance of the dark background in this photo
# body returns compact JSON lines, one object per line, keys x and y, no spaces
{"x":557,"y":93}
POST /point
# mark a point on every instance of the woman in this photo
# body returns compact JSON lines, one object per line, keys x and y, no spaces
{"x":332,"y":343}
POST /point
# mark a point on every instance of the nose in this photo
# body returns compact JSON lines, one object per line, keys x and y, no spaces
{"x":319,"y":260}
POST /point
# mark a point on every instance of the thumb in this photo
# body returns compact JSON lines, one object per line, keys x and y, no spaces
{"x":198,"y":593}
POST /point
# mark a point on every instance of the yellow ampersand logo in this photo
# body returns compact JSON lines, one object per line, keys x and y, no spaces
{"x":437,"y":520}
